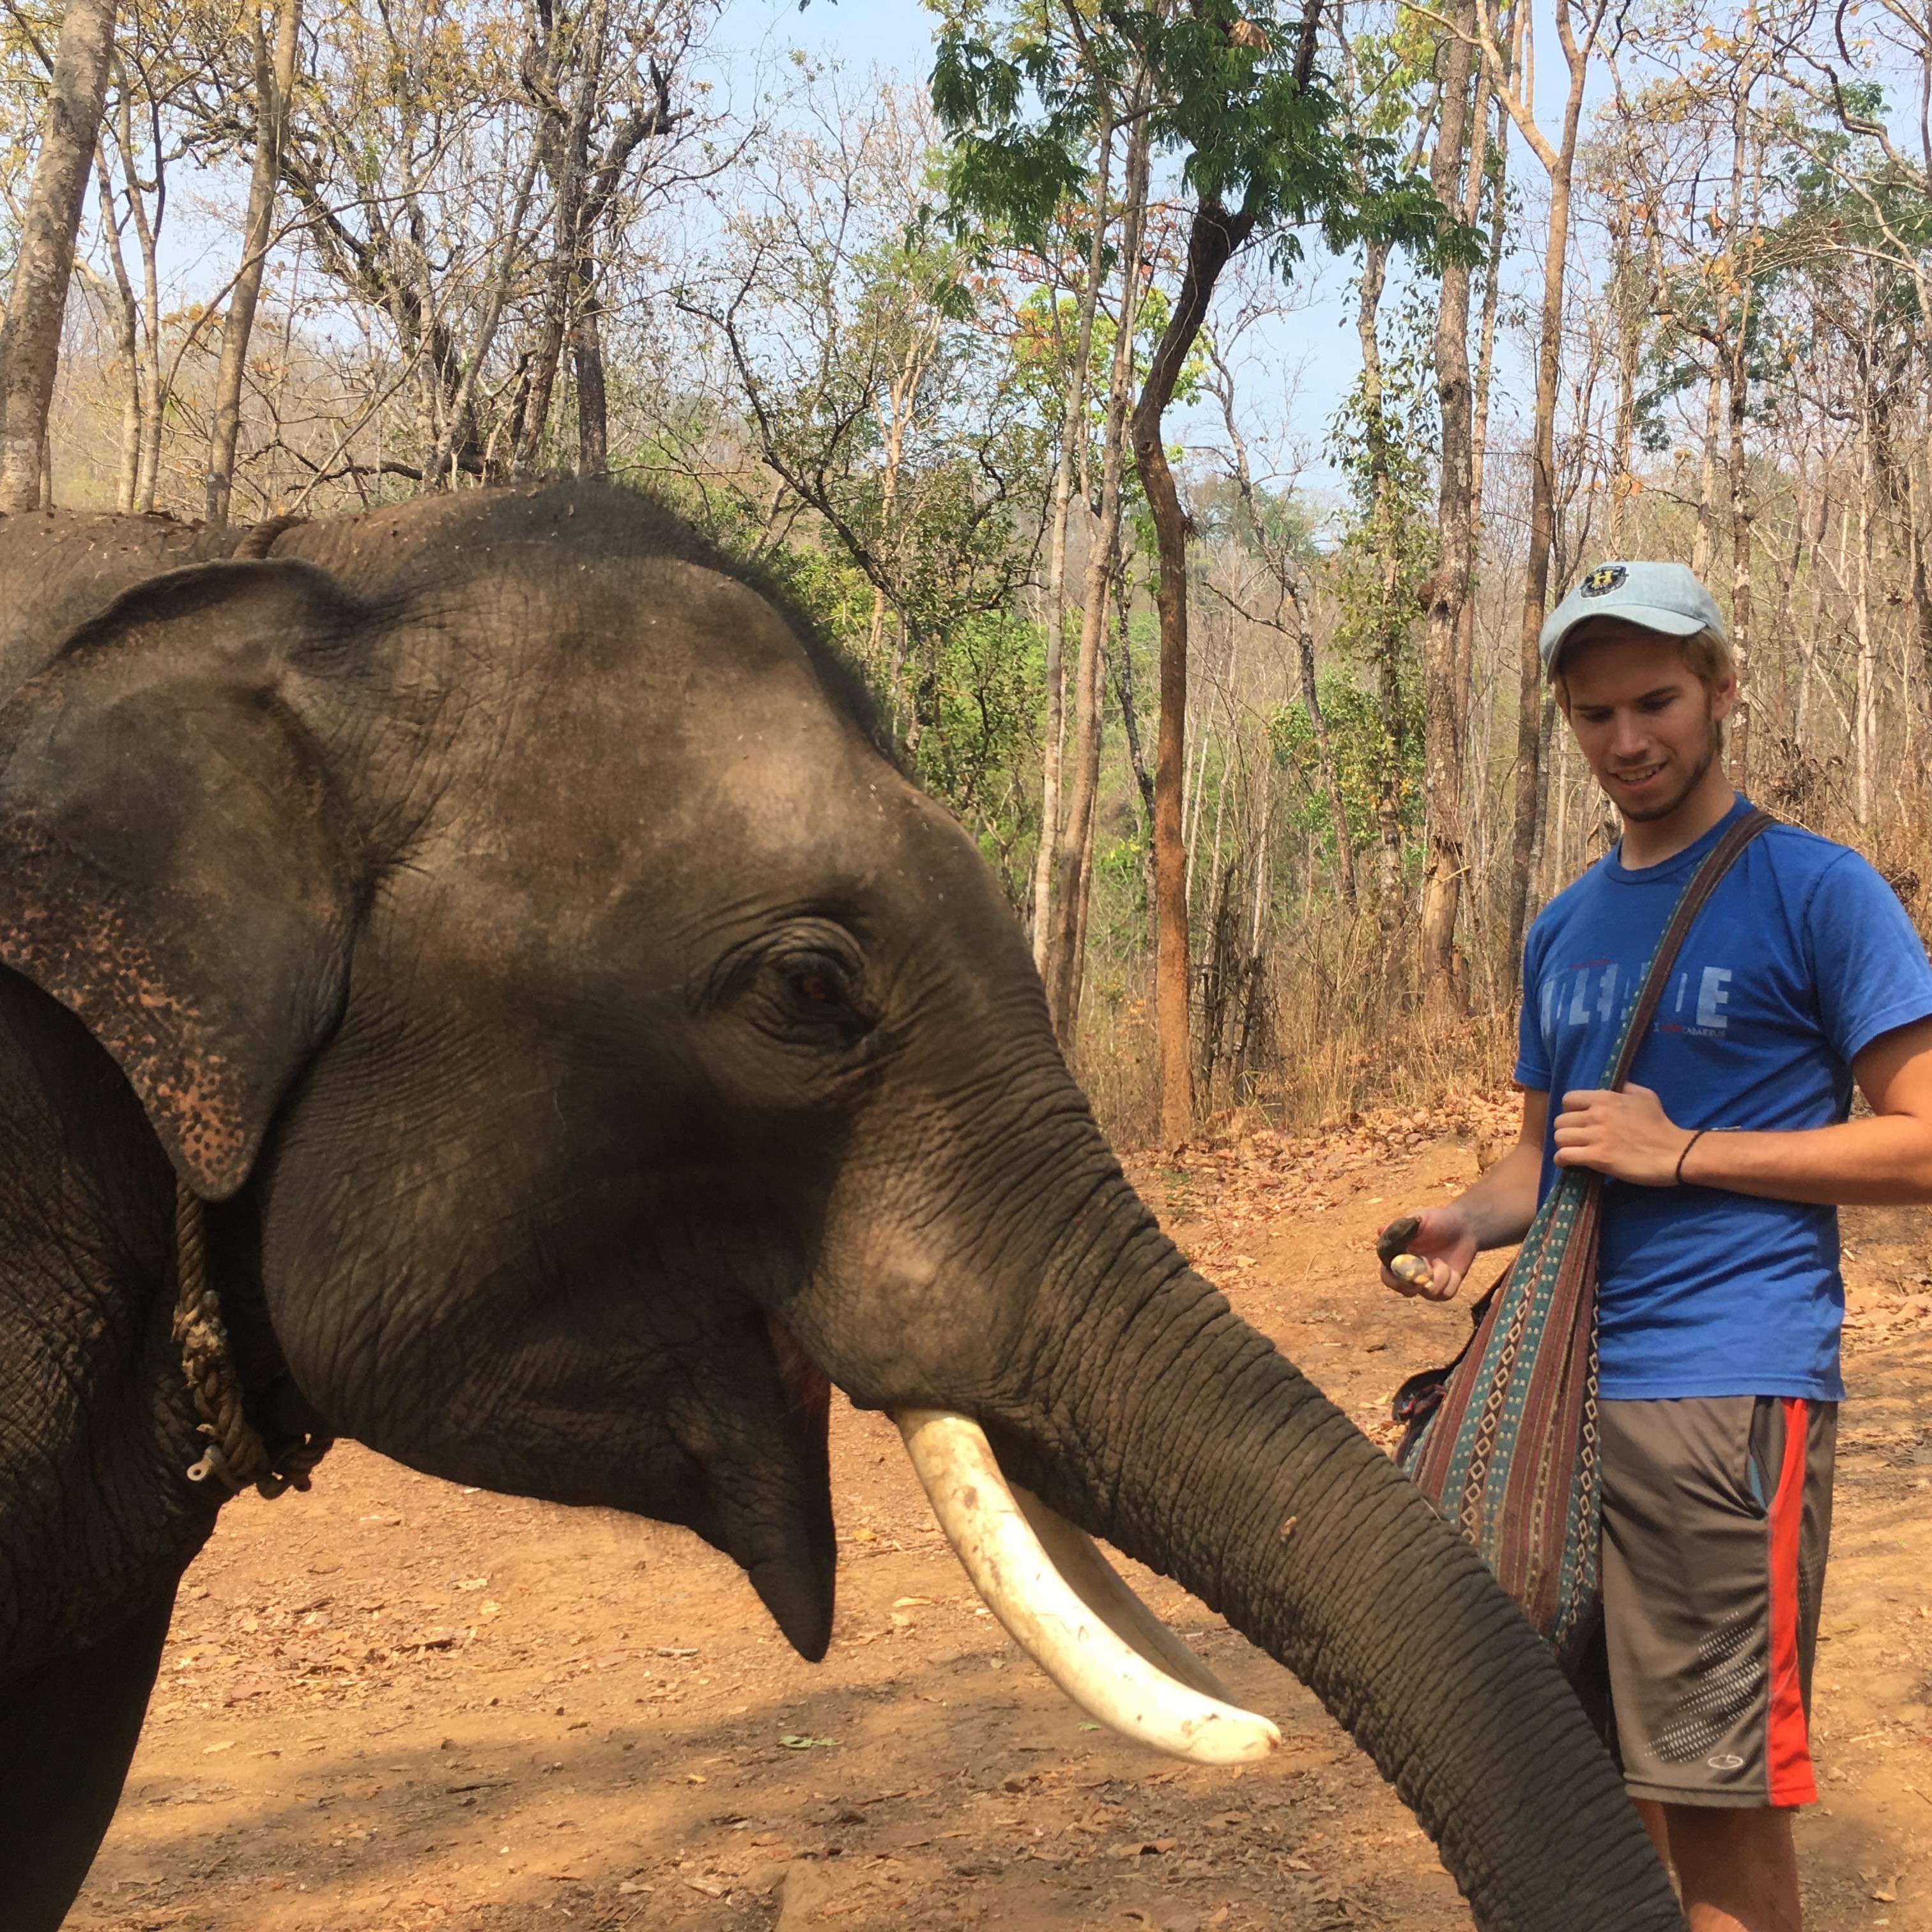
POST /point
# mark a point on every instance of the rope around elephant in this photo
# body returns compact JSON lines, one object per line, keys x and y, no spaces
{"x":236,"y":1455}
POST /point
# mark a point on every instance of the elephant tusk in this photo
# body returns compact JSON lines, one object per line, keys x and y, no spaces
{"x":1104,"y":1648}
{"x":1106,"y":1593}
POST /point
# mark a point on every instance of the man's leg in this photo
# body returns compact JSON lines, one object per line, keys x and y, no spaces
{"x":1736,"y":1868}
{"x":1716,"y":1517}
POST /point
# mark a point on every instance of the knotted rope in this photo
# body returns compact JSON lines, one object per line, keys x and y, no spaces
{"x":236,"y":1455}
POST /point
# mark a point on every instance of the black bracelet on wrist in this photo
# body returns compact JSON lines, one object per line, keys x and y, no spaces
{"x":1678,"y":1178}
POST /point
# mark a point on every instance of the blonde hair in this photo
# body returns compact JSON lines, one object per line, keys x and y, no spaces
{"x":1707,"y":655}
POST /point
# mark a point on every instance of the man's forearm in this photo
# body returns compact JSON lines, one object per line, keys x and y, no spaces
{"x":1883,"y":1161}
{"x":1498,"y":1209}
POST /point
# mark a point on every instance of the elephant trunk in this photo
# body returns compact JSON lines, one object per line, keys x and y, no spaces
{"x":1182,"y":1435}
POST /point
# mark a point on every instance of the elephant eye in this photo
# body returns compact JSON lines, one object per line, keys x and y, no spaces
{"x":814,"y":986}
{"x":819,"y":999}
{"x":802,"y":984}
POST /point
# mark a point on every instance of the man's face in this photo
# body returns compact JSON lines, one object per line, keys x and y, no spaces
{"x":1644,"y":720}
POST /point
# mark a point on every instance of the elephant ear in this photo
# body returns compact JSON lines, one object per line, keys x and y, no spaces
{"x":176,"y":865}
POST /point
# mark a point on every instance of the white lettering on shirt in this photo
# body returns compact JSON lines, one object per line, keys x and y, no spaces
{"x":1583,"y":996}
{"x":1713,"y":996}
{"x":1579,"y":999}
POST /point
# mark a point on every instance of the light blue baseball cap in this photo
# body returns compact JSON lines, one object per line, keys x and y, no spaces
{"x":1661,"y":597}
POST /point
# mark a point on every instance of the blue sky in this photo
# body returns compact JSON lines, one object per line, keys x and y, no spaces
{"x":1315,"y":349}
{"x":894,"y":34}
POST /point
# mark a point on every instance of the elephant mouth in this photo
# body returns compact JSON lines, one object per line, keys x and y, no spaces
{"x":1069,"y":1610}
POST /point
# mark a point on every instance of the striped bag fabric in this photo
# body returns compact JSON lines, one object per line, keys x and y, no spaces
{"x":1510,"y":1453}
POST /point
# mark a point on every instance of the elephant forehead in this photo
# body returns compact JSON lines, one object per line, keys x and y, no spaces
{"x":678,"y":704}
{"x":765,"y":798}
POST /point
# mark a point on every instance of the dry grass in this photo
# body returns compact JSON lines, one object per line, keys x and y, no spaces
{"x":1342,"y":1036}
{"x":1343,"y":1032}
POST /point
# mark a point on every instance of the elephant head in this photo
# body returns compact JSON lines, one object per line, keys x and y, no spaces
{"x":597,"y":1048}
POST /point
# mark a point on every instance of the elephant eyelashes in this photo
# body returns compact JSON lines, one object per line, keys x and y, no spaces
{"x":803,"y":986}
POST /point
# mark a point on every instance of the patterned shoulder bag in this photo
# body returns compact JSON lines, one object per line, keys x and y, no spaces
{"x":1508,"y":1449}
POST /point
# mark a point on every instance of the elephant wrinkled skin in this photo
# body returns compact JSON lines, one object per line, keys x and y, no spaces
{"x":591,"y":1047}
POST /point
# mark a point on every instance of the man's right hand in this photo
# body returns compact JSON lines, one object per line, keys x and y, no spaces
{"x":1496,"y":1212}
{"x":1443,"y":1238}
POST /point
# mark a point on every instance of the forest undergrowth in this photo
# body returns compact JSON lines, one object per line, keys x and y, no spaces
{"x":1347,"y":1042}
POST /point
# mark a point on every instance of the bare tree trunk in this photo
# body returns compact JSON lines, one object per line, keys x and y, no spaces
{"x":593,"y":417}
{"x":147,"y":239}
{"x":43,"y":266}
{"x":1130,"y":723}
{"x":274,"y":80}
{"x":565,"y":147}
{"x":1741,"y":521}
{"x":1204,"y":735}
{"x":1703,"y":540}
{"x":1863,"y":720}
{"x":1560,"y":164}
{"x":1738,"y":382}
{"x":127,"y":345}
{"x":1477,"y":738}
{"x":1064,"y":973}
{"x":1559,"y":868}
{"x":1443,"y":705}
{"x":1387,"y":642}
{"x":1922,"y":580}
{"x":1093,"y":699}
{"x":1546,"y":759}
{"x":1073,"y":420}
{"x":1213,"y":237}
{"x":1630,"y":308}
{"x":1816,"y":527}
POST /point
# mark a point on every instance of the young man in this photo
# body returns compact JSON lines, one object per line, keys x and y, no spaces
{"x":1719,"y":1295}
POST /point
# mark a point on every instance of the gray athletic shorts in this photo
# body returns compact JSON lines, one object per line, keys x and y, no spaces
{"x":1716,"y":1519}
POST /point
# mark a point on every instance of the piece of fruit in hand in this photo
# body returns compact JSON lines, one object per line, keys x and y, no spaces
{"x":1392,"y":1251}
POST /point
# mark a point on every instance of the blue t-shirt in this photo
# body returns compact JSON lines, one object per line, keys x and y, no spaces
{"x":1802,"y":957}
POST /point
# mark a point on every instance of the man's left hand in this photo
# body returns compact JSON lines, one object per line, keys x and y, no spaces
{"x":1627,"y":1135}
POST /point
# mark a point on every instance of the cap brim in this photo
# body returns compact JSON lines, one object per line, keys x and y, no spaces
{"x":1645,"y":616}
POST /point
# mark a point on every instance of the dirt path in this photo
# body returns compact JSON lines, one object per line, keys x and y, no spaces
{"x":394,"y":1704}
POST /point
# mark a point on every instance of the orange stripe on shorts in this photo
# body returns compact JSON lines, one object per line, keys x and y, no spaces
{"x":1787,"y":1744}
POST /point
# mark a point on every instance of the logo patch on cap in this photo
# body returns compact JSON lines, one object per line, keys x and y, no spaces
{"x":1604,"y":579}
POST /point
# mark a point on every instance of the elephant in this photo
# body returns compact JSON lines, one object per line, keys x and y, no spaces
{"x":494,"y":931}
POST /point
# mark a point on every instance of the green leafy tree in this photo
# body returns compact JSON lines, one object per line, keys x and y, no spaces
{"x":1356,"y":720}
{"x":1264,"y":153}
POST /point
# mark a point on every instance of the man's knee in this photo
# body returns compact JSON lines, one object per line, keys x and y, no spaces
{"x":1736,"y":1864}
{"x":1717,"y":1825}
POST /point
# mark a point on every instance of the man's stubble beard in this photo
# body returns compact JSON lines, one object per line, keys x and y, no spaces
{"x":1712,"y":743}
